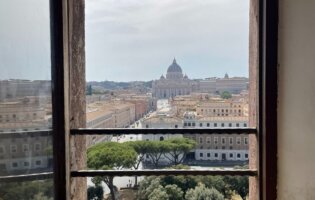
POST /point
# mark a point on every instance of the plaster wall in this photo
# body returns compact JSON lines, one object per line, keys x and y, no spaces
{"x":296,"y":102}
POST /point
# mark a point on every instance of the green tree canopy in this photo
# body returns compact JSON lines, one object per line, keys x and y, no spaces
{"x":228,"y":186}
{"x":95,"y":193}
{"x":147,"y":185}
{"x":177,"y":149}
{"x":238,"y":184}
{"x":28,"y":190}
{"x":201,"y":192}
{"x":111,"y":155}
{"x":151,"y":189}
{"x":174,"y":192}
{"x":141,"y":147}
{"x":226,"y":95}
{"x":158,"y":193}
{"x":183,"y":182}
{"x":41,"y":196}
{"x":156,"y":150}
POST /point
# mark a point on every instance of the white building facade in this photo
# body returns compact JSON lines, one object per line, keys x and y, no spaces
{"x":218,"y":147}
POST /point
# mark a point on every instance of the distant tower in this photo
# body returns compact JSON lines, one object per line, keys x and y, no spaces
{"x":226,"y":75}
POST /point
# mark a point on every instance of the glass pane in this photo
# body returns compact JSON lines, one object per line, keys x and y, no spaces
{"x":27,"y":190}
{"x":170,"y":187}
{"x":25,"y":89}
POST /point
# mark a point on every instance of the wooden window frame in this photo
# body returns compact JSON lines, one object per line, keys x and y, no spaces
{"x":66,"y":16}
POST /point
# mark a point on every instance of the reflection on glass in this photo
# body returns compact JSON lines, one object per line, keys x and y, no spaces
{"x":27,"y":190}
{"x":25,"y":90}
{"x":170,"y":187}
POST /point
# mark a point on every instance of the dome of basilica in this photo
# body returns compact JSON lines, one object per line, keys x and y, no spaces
{"x":174,"y":67}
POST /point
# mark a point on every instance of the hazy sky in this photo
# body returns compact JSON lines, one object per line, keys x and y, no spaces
{"x":25,"y":39}
{"x":132,"y":39}
{"x":137,"y":39}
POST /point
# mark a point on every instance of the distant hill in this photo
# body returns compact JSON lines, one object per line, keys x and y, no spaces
{"x":112,"y":85}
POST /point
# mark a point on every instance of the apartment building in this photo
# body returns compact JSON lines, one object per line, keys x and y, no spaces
{"x":20,"y":150}
{"x":17,"y":88}
{"x":218,"y":147}
{"x":222,"y":108}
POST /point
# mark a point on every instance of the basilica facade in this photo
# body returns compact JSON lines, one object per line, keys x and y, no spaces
{"x":175,"y":83}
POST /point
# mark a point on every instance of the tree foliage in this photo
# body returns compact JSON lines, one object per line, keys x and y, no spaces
{"x":226,"y":95}
{"x":156,"y":150}
{"x":174,"y":150}
{"x":28,"y":190}
{"x":177,"y":149}
{"x":111,"y":155}
{"x":147,"y":185}
{"x":141,"y":147}
{"x":227,"y":186}
{"x":183,"y":182}
{"x":95,"y":193}
{"x":174,"y":192}
{"x":238,"y":184}
{"x":152,"y":189}
{"x":201,"y":192}
{"x":158,"y":194}
{"x":41,"y":196}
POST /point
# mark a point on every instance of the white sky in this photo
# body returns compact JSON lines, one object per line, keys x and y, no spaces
{"x":132,"y":39}
{"x":137,"y":39}
{"x":25,"y":39}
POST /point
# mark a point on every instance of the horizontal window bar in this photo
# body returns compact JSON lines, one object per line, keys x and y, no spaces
{"x":22,"y":134}
{"x":126,"y":131}
{"x":214,"y":172}
{"x":26,"y":177}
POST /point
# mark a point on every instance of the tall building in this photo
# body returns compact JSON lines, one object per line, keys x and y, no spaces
{"x":17,"y":88}
{"x":175,"y":83}
{"x":20,"y":148}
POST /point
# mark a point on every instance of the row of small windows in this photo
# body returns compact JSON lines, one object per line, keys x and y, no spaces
{"x":226,"y":115}
{"x":214,"y":124}
{"x":147,"y":126}
{"x":25,"y":148}
{"x":223,"y":140}
{"x":25,"y":164}
{"x":222,"y":110}
{"x":14,"y":116}
{"x":216,"y":155}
